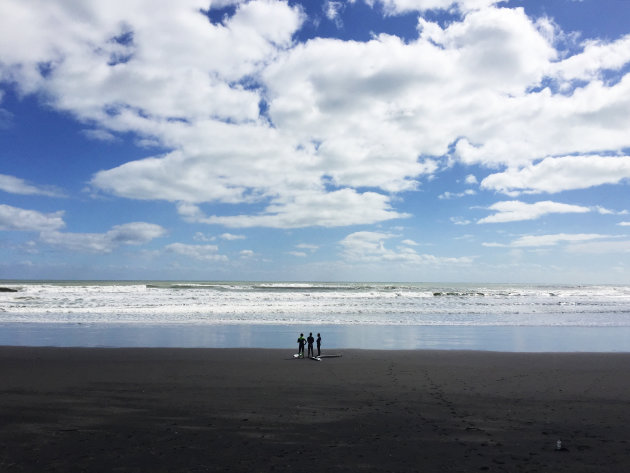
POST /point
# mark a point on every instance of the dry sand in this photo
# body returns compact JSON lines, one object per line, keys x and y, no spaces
{"x":189,"y":410}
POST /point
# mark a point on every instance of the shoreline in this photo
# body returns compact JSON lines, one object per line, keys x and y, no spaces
{"x":524,"y":339}
{"x":172,"y":409}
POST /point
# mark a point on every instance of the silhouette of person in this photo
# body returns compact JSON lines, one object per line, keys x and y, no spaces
{"x":319,"y":344}
{"x":301,"y":341}
{"x":310,"y":341}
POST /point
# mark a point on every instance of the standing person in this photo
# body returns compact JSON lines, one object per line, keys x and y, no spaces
{"x":301,"y":341}
{"x":319,"y":344}
{"x":310,"y":341}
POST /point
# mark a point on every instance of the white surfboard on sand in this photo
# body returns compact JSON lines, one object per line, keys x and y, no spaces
{"x":316,"y":358}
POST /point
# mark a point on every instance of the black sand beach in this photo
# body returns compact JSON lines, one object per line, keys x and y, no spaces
{"x":190,"y":410}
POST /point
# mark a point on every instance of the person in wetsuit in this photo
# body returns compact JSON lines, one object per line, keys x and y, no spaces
{"x":301,"y":341}
{"x":319,"y":344}
{"x":310,"y":341}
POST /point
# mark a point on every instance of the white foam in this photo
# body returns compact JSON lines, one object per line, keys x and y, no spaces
{"x":315,"y":303}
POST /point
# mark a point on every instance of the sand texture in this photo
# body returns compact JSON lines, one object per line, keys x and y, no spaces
{"x":197,"y":410}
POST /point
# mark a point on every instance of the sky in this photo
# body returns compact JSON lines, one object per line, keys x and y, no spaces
{"x":352,"y":140}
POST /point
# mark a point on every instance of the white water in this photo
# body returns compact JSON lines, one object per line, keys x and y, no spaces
{"x":349,"y":304}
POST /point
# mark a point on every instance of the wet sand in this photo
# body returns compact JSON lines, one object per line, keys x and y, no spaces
{"x":195,"y":410}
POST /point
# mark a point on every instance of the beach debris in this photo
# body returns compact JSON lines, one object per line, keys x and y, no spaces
{"x":560,"y":448}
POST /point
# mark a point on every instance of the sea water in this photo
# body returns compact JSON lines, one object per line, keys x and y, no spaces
{"x":353,"y":315}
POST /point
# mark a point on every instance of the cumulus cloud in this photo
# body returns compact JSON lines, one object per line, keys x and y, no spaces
{"x":49,"y":226}
{"x":369,"y":247}
{"x":304,"y":209}
{"x":597,"y":56}
{"x":231,"y":237}
{"x":514,"y":210}
{"x":199,"y":236}
{"x":135,"y":233}
{"x":552,"y":175}
{"x":15,"y":185}
{"x":454,"y":195}
{"x":588,"y":120}
{"x":333,"y":10}
{"x":471,"y":179}
{"x":249,"y":116}
{"x":397,"y":7}
{"x":198,"y":252}
{"x":246,"y":254}
{"x":14,"y":218}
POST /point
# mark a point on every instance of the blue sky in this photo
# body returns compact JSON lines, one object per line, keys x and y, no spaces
{"x":383,"y":140}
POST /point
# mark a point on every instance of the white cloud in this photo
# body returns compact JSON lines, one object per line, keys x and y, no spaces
{"x":578,"y":242}
{"x":624,"y":224}
{"x":198,"y":252}
{"x":514,"y":210}
{"x":596,"y":57}
{"x":332,"y":10}
{"x":135,"y":233}
{"x":299,"y":254}
{"x":337,"y":208}
{"x":525,"y":128}
{"x":409,"y":243}
{"x":199,"y":236}
{"x":493,"y":245}
{"x":554,"y":175}
{"x":453,"y":195}
{"x":307,"y":246}
{"x":554,"y":239}
{"x":460,"y":221}
{"x":369,"y":247}
{"x":601,"y":247}
{"x":397,"y":7}
{"x":100,"y":135}
{"x":217,"y":4}
{"x":81,"y":47}
{"x":471,"y":179}
{"x":246,"y":253}
{"x":192,"y":212}
{"x":605,"y":211}
{"x":15,"y":185}
{"x":14,"y":218}
{"x":231,"y":237}
{"x":341,"y":116}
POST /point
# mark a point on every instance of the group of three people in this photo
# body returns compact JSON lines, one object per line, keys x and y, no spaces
{"x":310,"y":340}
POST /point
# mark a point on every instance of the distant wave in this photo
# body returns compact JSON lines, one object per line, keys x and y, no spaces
{"x":289,"y":303}
{"x":274,"y":287}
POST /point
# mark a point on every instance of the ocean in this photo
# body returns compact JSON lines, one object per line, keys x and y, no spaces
{"x":504,"y":317}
